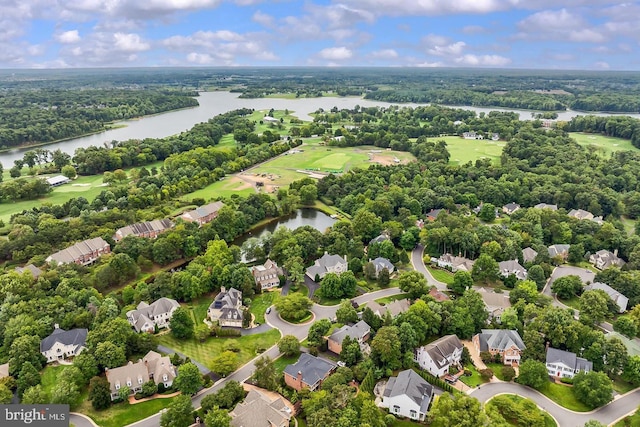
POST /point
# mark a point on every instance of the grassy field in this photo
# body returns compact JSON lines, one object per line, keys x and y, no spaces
{"x":563,"y":396}
{"x":225,"y":188}
{"x":441,"y":275}
{"x":212,"y":347}
{"x":124,"y":414}
{"x":604,"y":145}
{"x":475,"y":379}
{"x":497,"y":370}
{"x":260,"y":303}
{"x":387,"y":300}
{"x":631,"y":421}
{"x":49,"y":379}
{"x":469,"y":150}
{"x":281,"y":362}
{"x":548,"y":420}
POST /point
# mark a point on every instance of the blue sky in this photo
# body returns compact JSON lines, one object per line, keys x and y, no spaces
{"x":560,"y":34}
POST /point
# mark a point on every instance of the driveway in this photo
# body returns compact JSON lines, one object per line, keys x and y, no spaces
{"x":311,"y":285}
{"x":475,"y":356}
{"x":418,"y":265}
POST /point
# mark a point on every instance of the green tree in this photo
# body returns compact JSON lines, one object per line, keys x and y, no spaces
{"x":487,"y":212}
{"x":225,"y":363}
{"x":226,"y":398}
{"x":34,"y":396}
{"x":218,"y":417}
{"x":65,"y":392}
{"x":593,"y":306}
{"x":536,"y":274}
{"x":99,"y":393}
{"x":626,"y":325}
{"x":28,"y":377}
{"x":459,"y":410}
{"x":346,"y":313}
{"x":366,"y":224}
{"x":24,"y":349}
{"x":485,"y":269}
{"x":413,"y":283}
{"x":69,"y":171}
{"x":87,"y":365}
{"x":179,"y":413}
{"x":265,"y":375}
{"x":408,"y":241}
{"x":525,"y":290}
{"x":293,"y":307}
{"x":202,"y":332}
{"x":567,"y":287}
{"x":594,"y":389}
{"x":108,"y":355}
{"x":317,"y":332}
{"x":289,"y":345}
{"x":181,"y":324}
{"x":632,"y":370}
{"x":576,"y":253}
{"x":533,"y":373}
{"x":5,"y":394}
{"x":189,"y":379}
{"x":384,"y":278}
{"x":331,"y":287}
{"x":385,"y":348}
{"x":461,"y":282}
{"x":351,"y":353}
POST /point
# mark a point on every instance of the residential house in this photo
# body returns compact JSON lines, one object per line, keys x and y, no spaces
{"x":407,"y":395}
{"x":495,"y":303}
{"x":358,"y":332}
{"x":134,"y":375}
{"x":150,"y":229}
{"x":529,"y":255}
{"x":510,"y":208}
{"x":226,"y":308}
{"x":433,"y":214}
{"x":507,"y":343}
{"x":379,"y":239}
{"x":83,"y":253}
{"x":204,"y":214}
{"x":580,"y":214}
{"x":437,"y":295}
{"x":270,"y":120}
{"x":146,"y":317}
{"x":495,"y":136}
{"x":35,"y":271}
{"x":382,"y":263}
{"x":507,"y":268}
{"x":57,"y":180}
{"x":472,"y":135}
{"x":267,"y":276}
{"x":4,"y":370}
{"x":394,"y":308}
{"x":604,"y":259}
{"x":620,"y":300}
{"x":63,"y":344}
{"x":438,"y":356}
{"x":308,"y":372}
{"x":561,"y":251}
{"x":260,"y":410}
{"x":546,"y":206}
{"x":454,"y":263}
{"x":327,"y":264}
{"x":564,"y":364}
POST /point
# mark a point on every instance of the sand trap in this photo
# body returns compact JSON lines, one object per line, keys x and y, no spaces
{"x":81,"y":185}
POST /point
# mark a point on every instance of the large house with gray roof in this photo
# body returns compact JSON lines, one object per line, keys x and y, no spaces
{"x":308,"y":372}
{"x":454,"y":263}
{"x":358,"y":332}
{"x":382,"y":263}
{"x":35,"y":271}
{"x":260,"y":410}
{"x":267,"y":276}
{"x":204,"y":214}
{"x":559,"y":251}
{"x":152,"y":366}
{"x":327,"y":264}
{"x":438,"y":356}
{"x":546,"y":206}
{"x":146,"y":317}
{"x":604,"y":259}
{"x":529,"y":254}
{"x":512,"y":267}
{"x":407,"y":395}
{"x":394,"y":308}
{"x":620,"y":300}
{"x":83,"y":253}
{"x":226,"y":308}
{"x":149,"y":229}
{"x":63,"y":344}
{"x":505,"y":342}
{"x":564,"y":364}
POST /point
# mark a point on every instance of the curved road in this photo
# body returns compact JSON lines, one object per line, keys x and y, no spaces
{"x":418,"y":264}
{"x":608,"y":414}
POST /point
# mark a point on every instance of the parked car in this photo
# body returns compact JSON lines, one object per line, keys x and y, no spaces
{"x":268,"y":310}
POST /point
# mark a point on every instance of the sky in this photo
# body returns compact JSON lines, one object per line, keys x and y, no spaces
{"x":548,"y":34}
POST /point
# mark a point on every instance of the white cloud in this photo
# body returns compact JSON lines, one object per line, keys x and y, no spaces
{"x":263,"y":19}
{"x":68,"y":37}
{"x":483,"y":60}
{"x":130,"y":43}
{"x":200,"y":58}
{"x":384,"y":54}
{"x":586,"y":35}
{"x":561,"y":25}
{"x":335,"y":53}
{"x":448,"y":50}
{"x":601,"y":65}
{"x":474,"y":29}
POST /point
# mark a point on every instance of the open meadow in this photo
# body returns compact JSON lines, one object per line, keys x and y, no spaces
{"x":601,"y":144}
{"x":469,"y":150}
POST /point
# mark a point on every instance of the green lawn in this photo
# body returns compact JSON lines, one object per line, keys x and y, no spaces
{"x":475,"y":379}
{"x":548,"y":419}
{"x":405,"y":423}
{"x":387,"y":300}
{"x":260,"y":303}
{"x":212,"y":347}
{"x":604,"y":145}
{"x":571,"y":302}
{"x":124,"y":414}
{"x":225,"y":188}
{"x":621,"y":386}
{"x":563,"y":396}
{"x":281,"y":362}
{"x":199,"y":308}
{"x":497,"y":370}
{"x":631,"y":421}
{"x":441,"y":275}
{"x":465,"y":150}
{"x":629,"y":225}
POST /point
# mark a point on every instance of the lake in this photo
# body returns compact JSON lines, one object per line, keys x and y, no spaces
{"x":214,"y":103}
{"x":301,"y":217}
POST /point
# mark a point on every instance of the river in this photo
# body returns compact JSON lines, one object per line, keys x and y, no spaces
{"x":214,"y":103}
{"x":301,"y":217}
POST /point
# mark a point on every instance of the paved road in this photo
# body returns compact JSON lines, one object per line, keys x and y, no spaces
{"x":418,"y":265}
{"x":286,"y":328}
{"x":617,"y":409}
{"x":587,"y":276}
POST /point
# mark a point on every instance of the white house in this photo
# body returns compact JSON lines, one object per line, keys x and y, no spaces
{"x":604,"y":259}
{"x":437,"y":357}
{"x":564,"y":364}
{"x":327,"y":264}
{"x":63,"y":344}
{"x":146,"y":317}
{"x":407,"y":395}
{"x":267,"y":276}
{"x":226,"y":308}
{"x":455,"y":263}
{"x":133,"y":375}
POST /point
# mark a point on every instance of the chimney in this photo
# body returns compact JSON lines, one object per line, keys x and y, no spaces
{"x":615,"y":252}
{"x":299,"y":379}
{"x":223,"y":289}
{"x":56,"y":326}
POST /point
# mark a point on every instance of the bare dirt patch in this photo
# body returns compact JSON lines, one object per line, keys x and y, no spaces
{"x":262,"y":182}
{"x":386,"y":159}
